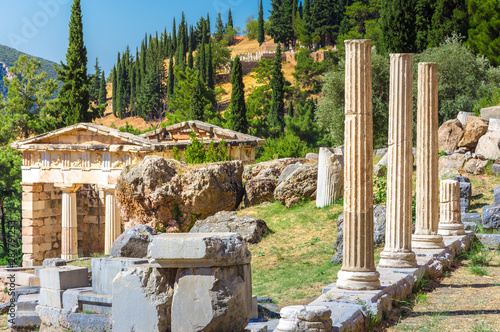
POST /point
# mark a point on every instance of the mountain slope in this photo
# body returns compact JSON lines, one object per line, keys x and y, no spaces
{"x":8,"y":56}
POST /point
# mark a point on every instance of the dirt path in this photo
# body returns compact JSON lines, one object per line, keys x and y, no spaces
{"x":461,"y":301}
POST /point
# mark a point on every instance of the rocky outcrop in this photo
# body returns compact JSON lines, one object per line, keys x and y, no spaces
{"x":300,"y":185}
{"x":489,"y":146}
{"x":270,"y":169}
{"x":165,"y":193}
{"x":258,"y":191}
{"x":133,"y":242}
{"x":250,"y":228}
{"x":475,"y":166}
{"x":456,"y":161}
{"x":449,"y":134}
{"x":473,"y":131}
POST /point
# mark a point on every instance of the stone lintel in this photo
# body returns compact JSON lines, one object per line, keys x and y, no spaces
{"x":188,"y":250}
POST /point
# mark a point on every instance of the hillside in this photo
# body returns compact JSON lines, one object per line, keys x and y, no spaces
{"x":8,"y":56}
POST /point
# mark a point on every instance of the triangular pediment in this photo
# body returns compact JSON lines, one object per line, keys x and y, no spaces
{"x":85,"y":134}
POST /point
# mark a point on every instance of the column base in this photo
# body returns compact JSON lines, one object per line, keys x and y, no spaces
{"x":394,"y":259}
{"x":419,"y":241}
{"x":69,"y":257}
{"x":358,"y":280}
{"x":451,"y":229}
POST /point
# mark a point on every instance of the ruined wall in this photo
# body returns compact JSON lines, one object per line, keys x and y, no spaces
{"x":90,"y":220}
{"x":41,"y":223}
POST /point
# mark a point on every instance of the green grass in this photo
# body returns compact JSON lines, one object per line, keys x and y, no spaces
{"x":292,"y":264}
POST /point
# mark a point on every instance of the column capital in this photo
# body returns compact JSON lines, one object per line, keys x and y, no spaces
{"x":108,"y":189}
{"x":68,"y":187}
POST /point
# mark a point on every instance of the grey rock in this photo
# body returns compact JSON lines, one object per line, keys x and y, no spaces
{"x":463,"y":117}
{"x":64,"y":277}
{"x":471,"y":226}
{"x":338,"y":246}
{"x":142,"y":299}
{"x":495,"y":169}
{"x":56,"y":319}
{"x":212,"y":299}
{"x":312,"y":156}
{"x":448,"y":173}
{"x":133,"y":242}
{"x":53,"y":262}
{"x":380,"y":152}
{"x":70,"y":296}
{"x":474,"y":217}
{"x":489,"y":145}
{"x":288,"y":171}
{"x":496,"y":194}
{"x":490,"y":113}
{"x":258,"y":191}
{"x":491,"y":217}
{"x":268,"y":310}
{"x":299,"y":186}
{"x":489,"y":240}
{"x":379,"y":218}
{"x":270,"y":169}
{"x":462,"y":179}
{"x":251,"y":229}
{"x":381,"y":168}
{"x":475,"y":166}
{"x":465,"y":192}
{"x":455,"y":161}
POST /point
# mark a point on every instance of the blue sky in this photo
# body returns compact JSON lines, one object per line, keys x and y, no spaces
{"x":40,"y":27}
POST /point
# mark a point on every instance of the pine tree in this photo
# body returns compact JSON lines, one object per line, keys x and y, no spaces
{"x":95,"y":83}
{"x":115,"y":89}
{"x":484,"y":35}
{"x":102,"y":90}
{"x":398,"y":27}
{"x":74,"y":94}
{"x":449,"y":16}
{"x":229,"y":20}
{"x":210,"y":68}
{"x":261,"y":35}
{"x":197,"y":103}
{"x":219,"y":28}
{"x":277,"y":112}
{"x":282,"y":21}
{"x":238,"y":116}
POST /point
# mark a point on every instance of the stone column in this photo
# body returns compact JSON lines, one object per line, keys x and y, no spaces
{"x":358,"y":270}
{"x":397,"y":252}
{"x":426,"y":227}
{"x":450,"y":223}
{"x":330,"y":177}
{"x":69,"y":236}
{"x":112,"y":220}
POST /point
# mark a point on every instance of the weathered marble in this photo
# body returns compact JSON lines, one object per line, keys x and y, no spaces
{"x":450,"y":223}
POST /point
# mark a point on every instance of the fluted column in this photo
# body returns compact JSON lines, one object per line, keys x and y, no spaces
{"x":69,"y":235}
{"x":397,"y":252}
{"x":112,"y":219}
{"x":358,"y":270}
{"x":427,"y":212}
{"x":330,"y":177}
{"x":450,"y":223}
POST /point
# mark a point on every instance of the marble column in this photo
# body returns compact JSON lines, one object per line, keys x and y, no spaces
{"x":397,"y":252}
{"x":69,"y":236}
{"x":427,"y":212}
{"x":358,"y":270}
{"x":450,"y":223}
{"x":330,"y":177}
{"x":112,"y":219}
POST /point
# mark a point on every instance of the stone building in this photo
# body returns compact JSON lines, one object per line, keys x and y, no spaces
{"x":69,"y":177}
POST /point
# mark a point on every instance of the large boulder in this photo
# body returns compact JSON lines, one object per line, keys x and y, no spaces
{"x":475,"y":166}
{"x":133,"y":242}
{"x":166,"y":192}
{"x":448,"y":173}
{"x":489,"y":146}
{"x":449,"y":134}
{"x":250,"y":228}
{"x":473,"y":131}
{"x":270,"y":169}
{"x":491,"y":217}
{"x":300,"y":185}
{"x":456,"y":161}
{"x":259,"y":191}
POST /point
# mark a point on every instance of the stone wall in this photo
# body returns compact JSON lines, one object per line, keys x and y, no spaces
{"x":41,"y":223}
{"x":91,"y":216}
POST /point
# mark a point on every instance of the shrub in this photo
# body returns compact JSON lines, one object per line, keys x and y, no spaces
{"x":285,"y":146}
{"x":196,"y":153}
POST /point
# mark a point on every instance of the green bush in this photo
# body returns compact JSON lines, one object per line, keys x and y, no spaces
{"x":196,"y":153}
{"x":287,"y":145}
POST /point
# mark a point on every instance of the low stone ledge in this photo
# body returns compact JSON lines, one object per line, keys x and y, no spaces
{"x":104,"y":270}
{"x":350,"y":309}
{"x":59,"y":320}
{"x":489,"y":240}
{"x":196,"y":250}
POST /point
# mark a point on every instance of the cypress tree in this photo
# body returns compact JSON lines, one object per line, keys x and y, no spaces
{"x":208,"y":32}
{"x":210,"y":68}
{"x":261,"y":35}
{"x":201,"y":64}
{"x":398,"y":26}
{"x":230,"y":20}
{"x":119,"y":95}
{"x":197,"y":104}
{"x":115,"y":89}
{"x":277,"y":112}
{"x":132,"y":89}
{"x":74,"y":94}
{"x":238,"y":116}
{"x":102,"y":90}
{"x":174,"y":37}
{"x":219,"y":28}
{"x":190,"y":58}
{"x":171,"y":78}
{"x":96,"y":83}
